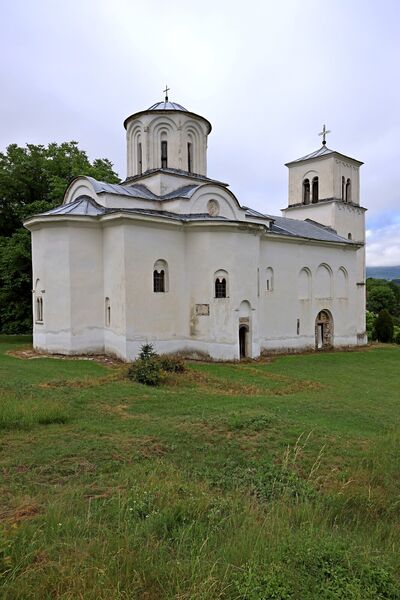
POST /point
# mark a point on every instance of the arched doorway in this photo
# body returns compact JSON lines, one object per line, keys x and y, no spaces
{"x":323,"y":330}
{"x":243,"y":340}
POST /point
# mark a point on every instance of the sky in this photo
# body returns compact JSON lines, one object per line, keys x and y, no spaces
{"x":267,"y":75}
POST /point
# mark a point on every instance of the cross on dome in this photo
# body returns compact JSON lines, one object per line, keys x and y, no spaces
{"x":167,"y":89}
{"x":324,"y":133}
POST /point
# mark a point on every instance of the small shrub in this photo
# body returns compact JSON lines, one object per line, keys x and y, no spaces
{"x":396,"y":334}
{"x":172,"y":363}
{"x":146,"y":371}
{"x":147,"y":352}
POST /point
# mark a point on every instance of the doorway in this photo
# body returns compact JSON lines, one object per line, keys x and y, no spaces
{"x":323,"y":330}
{"x":243,"y":339}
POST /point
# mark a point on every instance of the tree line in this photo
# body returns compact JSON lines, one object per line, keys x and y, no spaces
{"x":383,"y":310}
{"x":33,"y":179}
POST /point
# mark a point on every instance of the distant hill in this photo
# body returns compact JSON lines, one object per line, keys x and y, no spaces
{"x":384,"y":272}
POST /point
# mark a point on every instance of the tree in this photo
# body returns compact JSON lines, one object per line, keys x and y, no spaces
{"x":381,"y":295}
{"x":384,"y":327}
{"x":33,"y":179}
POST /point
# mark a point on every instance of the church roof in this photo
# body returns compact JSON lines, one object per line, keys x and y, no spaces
{"x":311,"y":230}
{"x":167,"y":106}
{"x":138,"y":190}
{"x":306,"y":229}
{"x":83,"y":206}
{"x":321,"y":152}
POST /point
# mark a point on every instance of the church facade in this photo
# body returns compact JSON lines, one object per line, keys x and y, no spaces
{"x":171,"y":256}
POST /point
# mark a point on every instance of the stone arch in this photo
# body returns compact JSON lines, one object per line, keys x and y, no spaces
{"x":304,"y":287}
{"x":161,"y":129}
{"x":324,"y":330}
{"x":342,"y":283}
{"x":323,"y":281}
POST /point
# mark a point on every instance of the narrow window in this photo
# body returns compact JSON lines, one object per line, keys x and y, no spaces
{"x":220,"y":287}
{"x":269,"y":285}
{"x":315,"y":190}
{"x":159,"y":280}
{"x":298,"y":326}
{"x":343,"y":187}
{"x":139,"y":158}
{"x":190,"y":159}
{"x":164,"y":154}
{"x":348,"y":191}
{"x":39,"y":310}
{"x":306,"y":191}
{"x":107,"y":315}
{"x":349,"y":236}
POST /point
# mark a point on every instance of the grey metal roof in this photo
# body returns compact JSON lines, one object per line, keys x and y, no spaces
{"x":84,"y":205}
{"x":139,"y":190}
{"x":172,"y":171}
{"x":167,"y":106}
{"x":323,"y":151}
{"x":305,"y":229}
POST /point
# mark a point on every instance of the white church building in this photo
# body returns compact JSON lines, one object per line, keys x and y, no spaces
{"x":172,"y":257}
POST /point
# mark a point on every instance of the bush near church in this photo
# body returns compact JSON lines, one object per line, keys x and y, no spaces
{"x":383,"y":295}
{"x":151,"y":369}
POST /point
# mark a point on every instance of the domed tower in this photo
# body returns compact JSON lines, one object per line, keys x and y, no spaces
{"x":166,"y":137}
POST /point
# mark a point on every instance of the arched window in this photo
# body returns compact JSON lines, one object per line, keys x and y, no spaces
{"x":38,"y":302}
{"x":315,"y":190}
{"x":348,"y":190}
{"x":349,"y":236}
{"x":221,"y":284}
{"x":139,"y":158}
{"x":220,"y":287}
{"x":306,"y":191}
{"x":39,"y":310}
{"x":107,"y":312}
{"x":160,"y":276}
{"x":269,"y":284}
{"x":164,"y":154}
{"x":343,"y":187}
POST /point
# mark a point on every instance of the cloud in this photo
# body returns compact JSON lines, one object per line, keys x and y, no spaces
{"x":383,"y":246}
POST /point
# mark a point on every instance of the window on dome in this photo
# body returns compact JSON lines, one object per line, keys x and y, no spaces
{"x":164,"y":154}
{"x":139,"y":158}
{"x":190,"y":159}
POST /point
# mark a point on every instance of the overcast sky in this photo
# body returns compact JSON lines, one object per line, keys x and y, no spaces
{"x":266,"y":74}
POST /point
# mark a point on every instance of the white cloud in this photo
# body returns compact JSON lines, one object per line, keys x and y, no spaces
{"x":383,"y":246}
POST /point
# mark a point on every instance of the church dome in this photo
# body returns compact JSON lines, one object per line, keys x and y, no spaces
{"x":167,"y":106}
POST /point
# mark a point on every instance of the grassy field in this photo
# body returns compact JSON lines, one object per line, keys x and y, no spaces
{"x":252,"y":481}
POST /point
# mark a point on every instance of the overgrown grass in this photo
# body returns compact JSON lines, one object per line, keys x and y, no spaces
{"x":251,"y":481}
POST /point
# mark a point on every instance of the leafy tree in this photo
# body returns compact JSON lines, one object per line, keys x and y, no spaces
{"x":381,"y":295}
{"x":33,"y":179}
{"x":384,"y":327}
{"x":370,"y":319}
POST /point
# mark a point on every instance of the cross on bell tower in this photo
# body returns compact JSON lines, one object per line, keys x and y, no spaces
{"x":324,"y":133}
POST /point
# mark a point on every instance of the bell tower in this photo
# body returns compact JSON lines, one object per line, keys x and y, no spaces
{"x":324,"y":186}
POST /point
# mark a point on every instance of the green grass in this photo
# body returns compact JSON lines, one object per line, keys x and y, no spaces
{"x":253,"y":481}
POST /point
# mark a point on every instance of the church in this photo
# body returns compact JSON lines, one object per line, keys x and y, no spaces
{"x":170,"y":256}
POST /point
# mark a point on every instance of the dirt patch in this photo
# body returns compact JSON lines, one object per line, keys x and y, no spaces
{"x":29,"y":354}
{"x":117,"y":411}
{"x":87,"y":382}
{"x":21,"y":513}
{"x":151,"y":447}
